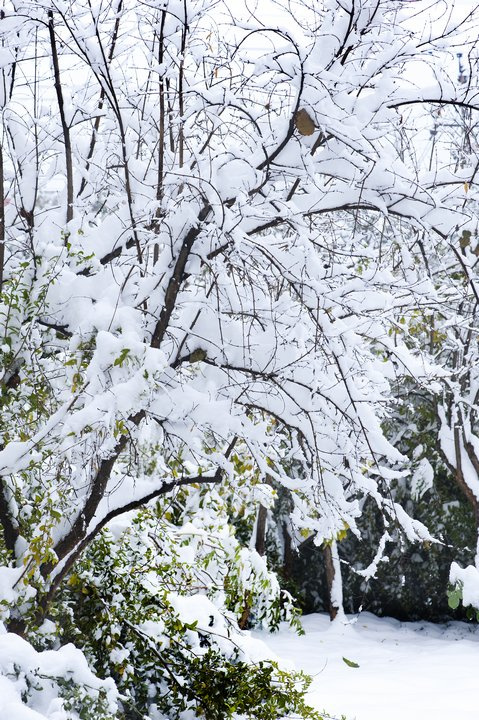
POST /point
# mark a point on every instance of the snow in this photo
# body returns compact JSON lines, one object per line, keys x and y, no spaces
{"x":468,"y":580}
{"x":413,"y":671}
{"x":417,"y":671}
{"x":28,"y":676}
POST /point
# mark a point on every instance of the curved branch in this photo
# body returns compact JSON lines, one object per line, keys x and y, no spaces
{"x":128,"y":507}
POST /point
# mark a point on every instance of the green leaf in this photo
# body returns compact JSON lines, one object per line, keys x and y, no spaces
{"x":350,"y":663}
{"x":122,"y":357}
{"x":454,"y":598}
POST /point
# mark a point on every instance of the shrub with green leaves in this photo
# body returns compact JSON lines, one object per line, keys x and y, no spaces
{"x":151,"y":605}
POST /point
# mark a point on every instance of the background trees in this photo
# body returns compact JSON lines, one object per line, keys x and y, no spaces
{"x":207,"y":273}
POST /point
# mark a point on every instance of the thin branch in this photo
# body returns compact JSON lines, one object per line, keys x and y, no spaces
{"x":435,"y":101}
{"x":101,"y":101}
{"x":64,"y":124}
{"x":2,"y":218}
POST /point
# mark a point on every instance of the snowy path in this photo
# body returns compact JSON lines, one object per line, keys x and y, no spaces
{"x":408,"y":671}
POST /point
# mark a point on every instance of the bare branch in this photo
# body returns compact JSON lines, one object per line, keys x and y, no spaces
{"x":65,"y":127}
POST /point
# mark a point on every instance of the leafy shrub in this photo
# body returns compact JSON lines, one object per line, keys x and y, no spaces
{"x":150,"y":609}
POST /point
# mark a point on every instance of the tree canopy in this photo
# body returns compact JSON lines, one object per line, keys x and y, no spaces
{"x":222,"y":253}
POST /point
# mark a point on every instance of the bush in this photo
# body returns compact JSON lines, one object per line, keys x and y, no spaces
{"x":149,"y":608}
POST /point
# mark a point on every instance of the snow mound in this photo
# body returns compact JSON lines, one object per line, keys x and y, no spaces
{"x":37,"y":685}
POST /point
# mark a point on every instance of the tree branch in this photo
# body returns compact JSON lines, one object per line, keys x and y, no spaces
{"x":101,"y":101}
{"x":2,"y":219}
{"x":64,"y":124}
{"x":176,"y":279}
{"x":133,"y":505}
{"x":95,"y":494}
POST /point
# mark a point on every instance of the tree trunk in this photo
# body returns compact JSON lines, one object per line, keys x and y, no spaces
{"x":288,"y":555}
{"x":464,"y":450}
{"x":333,"y":579}
{"x":260,"y":539}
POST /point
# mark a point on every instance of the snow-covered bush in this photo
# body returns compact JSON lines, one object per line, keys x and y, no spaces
{"x":51,"y":685}
{"x":150,"y":607}
{"x":464,"y":589}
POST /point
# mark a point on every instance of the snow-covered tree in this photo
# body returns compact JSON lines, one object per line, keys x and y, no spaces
{"x":200,"y":257}
{"x":446,"y":329}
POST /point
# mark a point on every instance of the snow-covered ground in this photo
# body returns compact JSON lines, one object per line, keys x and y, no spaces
{"x":407,"y":671}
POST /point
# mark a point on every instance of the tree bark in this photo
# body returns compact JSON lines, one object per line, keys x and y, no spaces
{"x":260,"y":540}
{"x":288,"y":555}
{"x":333,"y":579}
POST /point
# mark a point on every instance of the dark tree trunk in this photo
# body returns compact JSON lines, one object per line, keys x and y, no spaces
{"x":260,"y":540}
{"x":288,"y":556}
